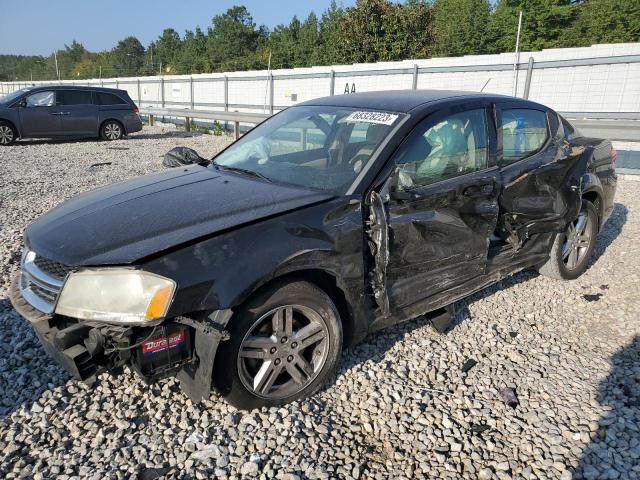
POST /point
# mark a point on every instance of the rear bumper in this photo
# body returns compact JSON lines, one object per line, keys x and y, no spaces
{"x":132,"y":123}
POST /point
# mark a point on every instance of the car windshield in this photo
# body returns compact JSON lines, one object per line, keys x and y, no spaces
{"x":319,"y":147}
{"x":10,"y":97}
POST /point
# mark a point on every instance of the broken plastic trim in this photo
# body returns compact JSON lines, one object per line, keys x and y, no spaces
{"x":196,"y":377}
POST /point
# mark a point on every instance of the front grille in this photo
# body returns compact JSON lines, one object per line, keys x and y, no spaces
{"x":41,"y":281}
{"x":51,"y":267}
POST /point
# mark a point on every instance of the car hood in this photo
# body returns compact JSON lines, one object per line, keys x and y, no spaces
{"x":128,"y":221}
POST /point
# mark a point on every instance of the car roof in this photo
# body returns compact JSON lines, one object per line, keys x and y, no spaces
{"x":400,"y":100}
{"x":76,"y":87}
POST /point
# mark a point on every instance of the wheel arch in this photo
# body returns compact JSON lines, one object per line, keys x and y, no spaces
{"x":110,"y":119}
{"x":593,"y":192}
{"x":13,"y":125}
{"x":325,"y":281}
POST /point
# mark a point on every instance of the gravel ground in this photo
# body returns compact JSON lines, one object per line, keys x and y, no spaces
{"x":400,"y":405}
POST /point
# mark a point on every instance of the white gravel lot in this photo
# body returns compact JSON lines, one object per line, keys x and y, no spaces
{"x":399,"y":407}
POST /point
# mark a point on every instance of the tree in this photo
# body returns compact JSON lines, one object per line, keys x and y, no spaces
{"x":167,"y":50}
{"x":308,"y":42}
{"x":604,"y":21}
{"x":543,"y":23}
{"x":378,"y":30}
{"x":330,"y":48}
{"x":460,"y":27}
{"x":127,"y":57}
{"x":233,"y":40}
{"x":193,"y":57}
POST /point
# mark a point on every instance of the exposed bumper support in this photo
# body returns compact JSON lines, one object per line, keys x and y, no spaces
{"x":196,"y":377}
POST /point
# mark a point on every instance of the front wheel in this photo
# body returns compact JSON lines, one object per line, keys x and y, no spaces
{"x":8,"y":134}
{"x":284,"y":345}
{"x":572,"y":250}
{"x":111,"y":130}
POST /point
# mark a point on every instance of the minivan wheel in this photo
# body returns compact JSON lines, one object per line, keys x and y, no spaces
{"x":284,"y":344}
{"x":111,"y":130}
{"x":8,"y":134}
{"x":572,"y":250}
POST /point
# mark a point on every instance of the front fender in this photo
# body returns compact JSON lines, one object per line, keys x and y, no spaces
{"x":221,"y":272}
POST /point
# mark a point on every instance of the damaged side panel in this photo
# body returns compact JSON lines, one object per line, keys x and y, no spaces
{"x":378,"y":243}
{"x":541,"y":194}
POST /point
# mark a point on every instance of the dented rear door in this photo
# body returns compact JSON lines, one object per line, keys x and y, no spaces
{"x":540,"y":174}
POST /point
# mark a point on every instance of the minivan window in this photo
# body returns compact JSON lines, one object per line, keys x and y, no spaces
{"x":454,"y":146}
{"x":10,"y":97}
{"x":109,"y":99}
{"x":73,"y":97}
{"x":41,"y":99}
{"x":524,"y":132}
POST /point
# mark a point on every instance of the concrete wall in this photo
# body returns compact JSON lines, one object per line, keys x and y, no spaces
{"x":600,"y":78}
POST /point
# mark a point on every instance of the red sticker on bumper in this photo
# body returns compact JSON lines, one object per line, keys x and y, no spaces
{"x":162,"y":343}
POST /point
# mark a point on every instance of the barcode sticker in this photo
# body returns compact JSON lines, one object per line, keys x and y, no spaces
{"x":382,"y":118}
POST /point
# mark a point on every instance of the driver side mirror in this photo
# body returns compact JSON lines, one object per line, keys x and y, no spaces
{"x":21,"y":104}
{"x":397,"y":191}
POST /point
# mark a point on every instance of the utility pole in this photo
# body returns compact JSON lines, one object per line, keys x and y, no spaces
{"x":160,"y":71}
{"x":516,"y":60}
{"x":55,"y":57}
{"x":100,"y":72}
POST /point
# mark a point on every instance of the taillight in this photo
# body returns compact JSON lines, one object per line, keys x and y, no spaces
{"x":614,"y":156}
{"x":136,"y":109}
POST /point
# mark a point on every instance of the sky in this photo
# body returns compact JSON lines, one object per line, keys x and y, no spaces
{"x":38,"y":27}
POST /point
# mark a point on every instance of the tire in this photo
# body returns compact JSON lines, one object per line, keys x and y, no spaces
{"x":111,"y":130}
{"x":8,"y":134}
{"x":285,"y":343}
{"x":572,"y":250}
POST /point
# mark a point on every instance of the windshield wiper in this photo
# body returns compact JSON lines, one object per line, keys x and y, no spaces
{"x":243,"y":170}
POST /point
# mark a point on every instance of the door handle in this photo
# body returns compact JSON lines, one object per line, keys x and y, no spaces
{"x":55,"y":113}
{"x":64,"y":113}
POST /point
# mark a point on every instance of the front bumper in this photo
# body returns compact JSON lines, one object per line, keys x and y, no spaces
{"x":183,"y":347}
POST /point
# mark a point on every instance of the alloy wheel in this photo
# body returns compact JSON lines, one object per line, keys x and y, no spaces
{"x":6,"y":134}
{"x":577,"y":242}
{"x":283,"y":351}
{"x":112,"y":131}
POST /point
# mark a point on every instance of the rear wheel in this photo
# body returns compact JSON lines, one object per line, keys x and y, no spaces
{"x":284,"y":345}
{"x":111,"y":130}
{"x":8,"y":134}
{"x":572,"y":250}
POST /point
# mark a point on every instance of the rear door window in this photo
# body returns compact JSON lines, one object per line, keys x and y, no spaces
{"x":524,"y":132}
{"x":73,"y":97}
{"x":109,"y":99}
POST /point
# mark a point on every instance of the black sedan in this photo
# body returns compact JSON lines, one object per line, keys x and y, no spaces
{"x":332,"y":219}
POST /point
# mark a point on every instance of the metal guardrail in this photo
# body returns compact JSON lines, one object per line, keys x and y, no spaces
{"x":620,"y":130}
{"x":614,"y":126}
{"x":189,"y":114}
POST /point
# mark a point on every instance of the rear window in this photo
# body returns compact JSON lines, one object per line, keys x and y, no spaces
{"x":109,"y":99}
{"x":524,"y":132}
{"x":73,"y":97}
{"x":570,"y":132}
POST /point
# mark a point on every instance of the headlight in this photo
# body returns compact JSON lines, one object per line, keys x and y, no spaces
{"x":116,"y":295}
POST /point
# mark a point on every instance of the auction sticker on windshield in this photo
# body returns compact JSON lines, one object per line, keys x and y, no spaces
{"x":382,"y":118}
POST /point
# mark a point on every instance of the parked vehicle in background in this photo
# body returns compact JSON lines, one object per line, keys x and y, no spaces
{"x":332,"y":219}
{"x":67,"y":111}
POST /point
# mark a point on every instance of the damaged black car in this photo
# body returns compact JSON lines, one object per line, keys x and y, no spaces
{"x":332,"y":219}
